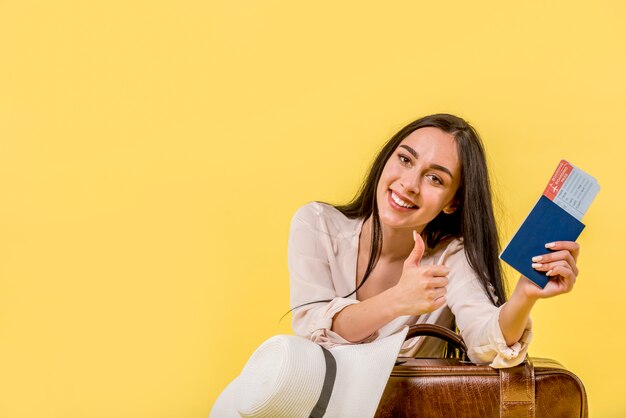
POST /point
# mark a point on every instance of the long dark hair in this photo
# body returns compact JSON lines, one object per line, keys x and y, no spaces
{"x":473,"y":220}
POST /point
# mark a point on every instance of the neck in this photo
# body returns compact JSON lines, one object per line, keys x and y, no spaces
{"x":397,"y":243}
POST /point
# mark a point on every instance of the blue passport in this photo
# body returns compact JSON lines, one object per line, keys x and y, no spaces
{"x":556,"y":216}
{"x":546,"y":222}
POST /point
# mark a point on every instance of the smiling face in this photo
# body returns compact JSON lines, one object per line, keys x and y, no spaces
{"x":419,"y":180}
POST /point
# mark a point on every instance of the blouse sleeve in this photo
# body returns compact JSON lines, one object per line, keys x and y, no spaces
{"x":478,"y":319}
{"x":310,"y":250}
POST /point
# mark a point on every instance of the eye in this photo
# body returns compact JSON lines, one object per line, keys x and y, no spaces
{"x":436,"y":179}
{"x":404,"y":159}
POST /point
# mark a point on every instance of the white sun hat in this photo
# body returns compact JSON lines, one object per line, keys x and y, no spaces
{"x":291,"y":377}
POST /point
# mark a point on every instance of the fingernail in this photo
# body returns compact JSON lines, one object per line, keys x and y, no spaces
{"x":536,"y":265}
{"x":537,"y":258}
{"x":415,"y":236}
{"x":548,"y":273}
{"x":550,"y":244}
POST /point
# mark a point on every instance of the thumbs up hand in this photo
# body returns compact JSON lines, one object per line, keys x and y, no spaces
{"x":421,"y":289}
{"x":418,"y":250}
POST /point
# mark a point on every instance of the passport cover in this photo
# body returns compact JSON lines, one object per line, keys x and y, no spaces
{"x":546,"y":222}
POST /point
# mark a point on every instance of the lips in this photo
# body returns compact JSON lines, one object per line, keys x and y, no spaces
{"x":399,"y":202}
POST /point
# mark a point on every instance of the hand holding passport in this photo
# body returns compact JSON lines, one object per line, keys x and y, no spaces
{"x":555,"y":217}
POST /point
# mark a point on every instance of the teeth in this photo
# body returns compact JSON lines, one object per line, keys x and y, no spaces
{"x":400,"y":201}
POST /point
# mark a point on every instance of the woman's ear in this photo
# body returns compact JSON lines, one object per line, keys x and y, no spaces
{"x":450,"y":208}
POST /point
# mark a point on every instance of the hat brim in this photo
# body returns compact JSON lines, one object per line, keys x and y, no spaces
{"x":224,"y":406}
{"x":362,"y":374}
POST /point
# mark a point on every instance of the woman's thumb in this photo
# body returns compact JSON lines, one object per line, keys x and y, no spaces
{"x":418,"y":251}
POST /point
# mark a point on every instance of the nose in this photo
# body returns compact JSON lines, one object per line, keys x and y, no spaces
{"x":411,"y":183}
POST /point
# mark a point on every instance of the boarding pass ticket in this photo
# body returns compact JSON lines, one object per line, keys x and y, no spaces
{"x":572,"y":189}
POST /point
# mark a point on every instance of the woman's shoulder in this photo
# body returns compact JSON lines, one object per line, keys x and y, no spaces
{"x":324,"y":217}
{"x":447,"y":246}
{"x":448,"y":251}
{"x":455,"y":257}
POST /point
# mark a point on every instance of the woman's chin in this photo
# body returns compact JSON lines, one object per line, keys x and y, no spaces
{"x":399,"y":222}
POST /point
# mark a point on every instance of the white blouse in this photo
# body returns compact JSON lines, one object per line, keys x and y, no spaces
{"x":323,"y":249}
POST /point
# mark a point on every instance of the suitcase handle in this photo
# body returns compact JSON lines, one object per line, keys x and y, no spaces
{"x":432,"y":330}
{"x":517,"y":384}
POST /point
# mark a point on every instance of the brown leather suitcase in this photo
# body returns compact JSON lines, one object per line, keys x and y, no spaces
{"x":454,"y":387}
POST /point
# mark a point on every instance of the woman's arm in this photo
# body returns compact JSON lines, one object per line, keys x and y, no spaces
{"x":419,"y":290}
{"x":357,"y":322}
{"x":560,"y":266}
{"x":311,"y":275}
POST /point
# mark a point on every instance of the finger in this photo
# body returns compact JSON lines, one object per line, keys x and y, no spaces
{"x":432,"y":295}
{"x":439,"y":282}
{"x":561,"y":273}
{"x":568,"y":258}
{"x":556,"y":256}
{"x":438,"y":292}
{"x":433,"y":283}
{"x":438,"y":303}
{"x":436,"y":270}
{"x":565,"y":275}
{"x":550,"y":266}
{"x":415,"y":257}
{"x":571,"y":246}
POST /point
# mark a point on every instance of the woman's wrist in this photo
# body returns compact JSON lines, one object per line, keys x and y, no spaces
{"x":392,"y":304}
{"x":357,"y":321}
{"x":526,"y":292}
{"x":515,"y":313}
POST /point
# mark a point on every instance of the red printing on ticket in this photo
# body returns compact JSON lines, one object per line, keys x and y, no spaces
{"x":558,"y":178}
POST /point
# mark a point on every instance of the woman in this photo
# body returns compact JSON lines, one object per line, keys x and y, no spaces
{"x":418,"y":244}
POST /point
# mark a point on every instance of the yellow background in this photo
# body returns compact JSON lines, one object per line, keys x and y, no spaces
{"x":152,"y":154}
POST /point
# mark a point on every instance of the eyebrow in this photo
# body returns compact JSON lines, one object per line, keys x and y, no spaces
{"x":434,"y":166}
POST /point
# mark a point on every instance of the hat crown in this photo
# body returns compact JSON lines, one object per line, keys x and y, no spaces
{"x":283,"y":378}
